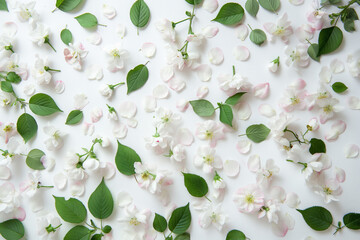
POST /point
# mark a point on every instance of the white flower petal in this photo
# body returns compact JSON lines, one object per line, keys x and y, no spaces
{"x":354,"y":103}
{"x":277,"y":193}
{"x":88,"y":128}
{"x":177,"y":84}
{"x":261,"y":90}
{"x":77,"y":189}
{"x":10,"y":29}
{"x":254,"y":163}
{"x":148,"y":49}
{"x":127,"y":109}
{"x":60,"y":181}
{"x":108,"y":171}
{"x":340,"y":174}
{"x":124,"y":199}
{"x":94,"y":72}
{"x":29,"y":89}
{"x":298,"y":84}
{"x":337,"y":66}
{"x":325,"y":75}
{"x":210,"y":31}
{"x":94,"y":38}
{"x":108,"y":11}
{"x":292,"y":200}
{"x":244,"y":110}
{"x":241,"y":53}
{"x":336,"y":130}
{"x":296,"y":2}
{"x":149,"y":104}
{"x":132,"y":122}
{"x":242,"y":32}
{"x":267,"y":110}
{"x":216,"y":56}
{"x":59,"y":86}
{"x":351,"y":151}
{"x":185,"y":137}
{"x":204,"y":72}
{"x":161,"y":91}
{"x":120,"y":30}
{"x":120,"y":130}
{"x":166,"y":73}
{"x":182,"y":105}
{"x":80,"y":101}
{"x":210,"y":5}
{"x":202,"y":91}
{"x":243,"y":146}
{"x":231,"y":168}
{"x":96,"y":114}
{"x":5,"y":172}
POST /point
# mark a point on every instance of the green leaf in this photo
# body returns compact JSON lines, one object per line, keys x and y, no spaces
{"x":6,"y":87}
{"x":258,"y":36}
{"x":329,"y":40}
{"x":333,"y":2}
{"x":67,"y":5}
{"x":234,"y":99}
{"x":107,"y":229}
{"x":159,"y":223}
{"x":72,"y":210}
{"x":12,"y":229}
{"x":194,"y":2}
{"x":184,"y":236}
{"x":226,"y":114}
{"x":352,"y":221}
{"x":26,"y":126}
{"x":43,"y":105}
{"x":87,"y":20}
{"x":318,"y":218}
{"x":252,"y":7}
{"x":235,"y":235}
{"x":195,"y":185}
{"x":74,"y":117}
{"x":78,"y":233}
{"x":257,"y":132}
{"x":3,"y":5}
{"x":202,"y":107}
{"x":317,"y":146}
{"x":271,"y":5}
{"x":139,"y":13}
{"x":339,"y":87}
{"x":33,"y":159}
{"x":66,"y":36}
{"x":180,"y":220}
{"x":349,"y":13}
{"x":101,"y":203}
{"x":313,"y":51}
{"x":97,"y":236}
{"x":137,"y":77}
{"x":13,"y":77}
{"x":349,"y":25}
{"x":230,"y":14}
{"x":125,"y":159}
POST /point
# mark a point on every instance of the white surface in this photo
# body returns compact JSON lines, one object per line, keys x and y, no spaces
{"x":255,"y":69}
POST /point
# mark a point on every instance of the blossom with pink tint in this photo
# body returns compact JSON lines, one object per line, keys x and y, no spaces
{"x":210,"y":130}
{"x":317,"y":16}
{"x":7,"y":131}
{"x":297,"y":56}
{"x":135,"y":222}
{"x":329,"y":189}
{"x":351,"y":151}
{"x":261,"y":90}
{"x":13,"y":64}
{"x":232,"y":84}
{"x":294,"y":98}
{"x":313,"y":124}
{"x":249,"y":199}
{"x":281,"y":29}
{"x":207,"y":159}
{"x":115,"y":56}
{"x":10,"y":201}
{"x":75,"y":54}
{"x":48,"y":225}
{"x":271,"y":210}
{"x":285,"y":223}
{"x":164,"y":26}
{"x":304,"y":33}
{"x":336,"y":130}
{"x":328,"y":108}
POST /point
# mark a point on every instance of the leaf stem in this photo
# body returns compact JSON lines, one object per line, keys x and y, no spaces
{"x":240,"y":135}
{"x":103,"y":25}
{"x":233,"y":68}
{"x":207,"y":198}
{"x":250,"y":27}
{"x":176,"y":23}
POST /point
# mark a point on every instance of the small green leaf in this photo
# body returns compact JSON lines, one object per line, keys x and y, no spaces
{"x":72,"y":210}
{"x":6,"y":87}
{"x":101,"y":203}
{"x":230,"y":14}
{"x":97,"y":236}
{"x":352,"y":221}
{"x":43,"y":105}
{"x":349,"y":25}
{"x":13,"y":77}
{"x":184,"y":236}
{"x":125,"y":159}
{"x":3,"y":5}
{"x":271,"y":5}
{"x":107,"y":229}
{"x":12,"y":229}
{"x":317,"y":146}
{"x":26,"y":126}
{"x":180,"y":220}
{"x":74,"y":117}
{"x":33,"y":159}
{"x":313,"y":52}
{"x":258,"y":36}
{"x":202,"y":107}
{"x":318,"y":218}
{"x":137,"y":77}
{"x":226,"y":114}
{"x":159,"y":223}
{"x":78,"y":233}
{"x":195,"y":185}
{"x":329,"y":40}
{"x":66,"y":36}
{"x":349,"y":13}
{"x":339,"y":87}
{"x":87,"y":20}
{"x":257,"y":132}
{"x":234,"y":99}
{"x":235,"y":235}
{"x":67,"y":5}
{"x":194,"y":2}
{"x":252,"y":7}
{"x":139,"y":13}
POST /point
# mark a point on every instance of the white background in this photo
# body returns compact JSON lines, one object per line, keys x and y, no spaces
{"x":290,"y":177}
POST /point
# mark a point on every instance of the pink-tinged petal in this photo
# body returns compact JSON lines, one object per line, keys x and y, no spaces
{"x":270,"y":27}
{"x":93,"y":38}
{"x":231,"y":168}
{"x":337,"y":66}
{"x":243,"y":146}
{"x":166,"y":73}
{"x":292,"y":200}
{"x":241,"y":53}
{"x":59,"y":86}
{"x":340,"y":174}
{"x":149,"y":103}
{"x":96,"y":114}
{"x":127,"y":109}
{"x":216,"y":56}
{"x":148,"y":49}
{"x":10,"y":29}
{"x":354,"y":103}
{"x":242,"y":32}
{"x":177,"y":84}
{"x":20,"y":214}
{"x":210,"y":5}
{"x":298,"y":84}
{"x":277,"y":193}
{"x":210,"y":31}
{"x":204,"y":72}
{"x":304,"y":32}
{"x":254,"y":163}
{"x":109,"y":171}
{"x":244,"y":110}
{"x":296,"y":2}
{"x":325,"y":75}
{"x":336,"y":129}
{"x":5,"y":172}
{"x":202,"y":92}
{"x":60,"y":181}
{"x":161,"y":91}
{"x":284,"y":225}
{"x":182,"y":105}
{"x":124,"y":199}
{"x":267,"y":110}
{"x":351,"y":151}
{"x":184,"y":136}
{"x":261,"y":90}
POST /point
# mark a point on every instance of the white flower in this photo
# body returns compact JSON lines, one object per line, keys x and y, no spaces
{"x":317,"y":163}
{"x":9,"y":198}
{"x":270,"y":210}
{"x":30,"y":186}
{"x":165,"y":119}
{"x":47,"y":226}
{"x":281,"y":29}
{"x":6,"y":43}
{"x":297,"y":56}
{"x":234,"y":83}
{"x":354,"y":65}
{"x":317,"y":16}
{"x":293,"y":99}
{"x":264,"y":175}
{"x":177,"y":153}
{"x":115,"y":57}
{"x":273,"y":66}
{"x":212,"y":215}
{"x":207,"y":159}
{"x":158,"y":143}
{"x":164,"y":26}
{"x":7,"y":130}
{"x":135,"y":222}
{"x":26,"y":12}
{"x":174,"y":57}
{"x":40,"y":34}
{"x":75,"y":54}
{"x":249,"y":199}
{"x":219,"y":187}
{"x":144,"y":174}
{"x":328,"y":106}
{"x":278,"y":125}
{"x":105,"y":90}
{"x":329,"y":189}
{"x":55,"y":141}
{"x":71,"y":167}
{"x":6,"y":99}
{"x":40,"y":71}
{"x":210,"y":130}
{"x":12,"y":64}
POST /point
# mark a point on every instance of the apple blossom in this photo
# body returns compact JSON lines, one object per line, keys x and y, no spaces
{"x":232,"y":84}
{"x":40,"y":35}
{"x":115,"y":55}
{"x":281,"y":29}
{"x":75,"y":54}
{"x":249,"y":199}
{"x":210,"y":130}
{"x":55,"y":141}
{"x":297,"y":56}
{"x":26,"y":12}
{"x":207,"y":159}
{"x":135,"y":222}
{"x":48,"y":225}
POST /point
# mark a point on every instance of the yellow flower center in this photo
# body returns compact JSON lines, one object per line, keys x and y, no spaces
{"x":208,"y":134}
{"x":327,"y":191}
{"x":328,"y":109}
{"x":249,"y":199}
{"x":134,"y":221}
{"x":295,"y":100}
{"x":208,"y":159}
{"x":8,"y":128}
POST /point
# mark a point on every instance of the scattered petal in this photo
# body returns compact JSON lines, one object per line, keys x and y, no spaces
{"x":120,"y":130}
{"x":88,"y":128}
{"x":336,"y":129}
{"x":94,"y":38}
{"x":166,"y":73}
{"x":261,"y":90}
{"x":216,"y":56}
{"x":354,"y":103}
{"x":351,"y":151}
{"x":120,"y":30}
{"x":59,"y":86}
{"x":161,"y":91}
{"x":254,"y":163}
{"x":60,"y":181}
{"x":340,"y":174}
{"x":242,"y":32}
{"x":296,"y":2}
{"x":292,"y":200}
{"x":29,"y":89}
{"x":267,"y":110}
{"x":204,"y":72}
{"x":5,"y":172}
{"x":231,"y":168}
{"x":10,"y":29}
{"x":241,"y":53}
{"x":108,"y":11}
{"x":337,"y":66}
{"x":148,"y":49}
{"x":96,"y":114}
{"x":124,"y":199}
{"x":243,"y":146}
{"x":298,"y":84}
{"x":210,"y":31}
{"x":210,"y":5}
{"x":182,"y":105}
{"x":325,"y":75}
{"x":132,"y":122}
{"x":149,"y":104}
{"x":244,"y":110}
{"x":185,"y":137}
{"x":94,"y":72}
{"x":127,"y":109}
{"x":177,"y":84}
{"x":77,"y":189}
{"x":202,"y":91}
{"x":80,"y":101}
